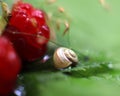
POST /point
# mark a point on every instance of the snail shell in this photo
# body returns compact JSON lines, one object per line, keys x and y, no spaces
{"x":64,"y":57}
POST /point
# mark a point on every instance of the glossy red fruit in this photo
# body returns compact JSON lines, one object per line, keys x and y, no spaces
{"x":28,"y":30}
{"x":9,"y":66}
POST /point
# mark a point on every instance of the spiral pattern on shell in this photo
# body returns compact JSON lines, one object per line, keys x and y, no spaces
{"x":64,"y":57}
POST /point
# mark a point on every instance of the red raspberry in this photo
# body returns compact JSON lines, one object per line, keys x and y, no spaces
{"x":28,"y":31}
{"x":9,"y":66}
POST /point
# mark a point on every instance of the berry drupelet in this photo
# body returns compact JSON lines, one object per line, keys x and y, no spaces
{"x":9,"y":66}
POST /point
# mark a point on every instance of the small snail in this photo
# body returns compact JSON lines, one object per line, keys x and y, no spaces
{"x":64,"y":57}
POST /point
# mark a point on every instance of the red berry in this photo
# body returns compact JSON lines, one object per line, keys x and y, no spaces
{"x":9,"y":66}
{"x":28,"y":31}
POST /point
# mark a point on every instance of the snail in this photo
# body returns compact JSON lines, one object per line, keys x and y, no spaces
{"x":64,"y":57}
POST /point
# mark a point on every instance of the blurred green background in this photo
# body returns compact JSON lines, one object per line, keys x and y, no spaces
{"x":93,"y":28}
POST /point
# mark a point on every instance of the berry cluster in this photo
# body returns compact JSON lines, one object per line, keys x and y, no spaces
{"x":28,"y":31}
{"x":24,"y":38}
